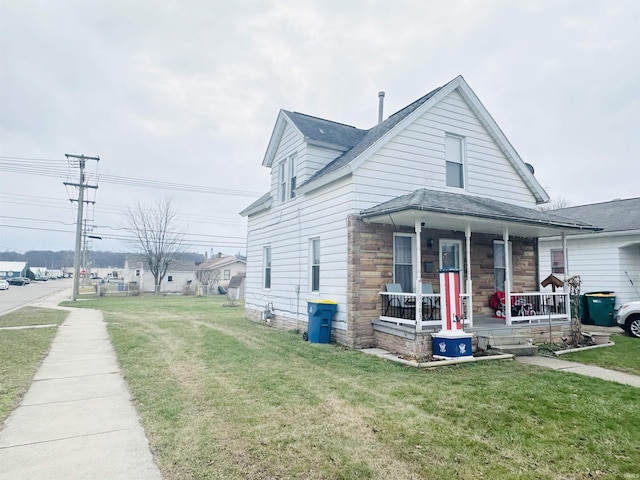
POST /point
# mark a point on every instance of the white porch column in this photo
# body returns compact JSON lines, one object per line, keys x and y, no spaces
{"x":507,"y":276}
{"x":567,"y":298}
{"x":468,"y":286}
{"x":418,"y":273}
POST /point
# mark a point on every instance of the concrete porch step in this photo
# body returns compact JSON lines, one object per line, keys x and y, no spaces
{"x":517,"y":350}
{"x":484,"y":341}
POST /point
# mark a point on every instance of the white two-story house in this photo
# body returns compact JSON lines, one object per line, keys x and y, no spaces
{"x":436,"y":185}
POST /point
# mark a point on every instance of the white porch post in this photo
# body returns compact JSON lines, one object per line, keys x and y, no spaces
{"x":418,"y":273}
{"x":567,"y":298}
{"x":468,"y":286}
{"x":507,"y":276}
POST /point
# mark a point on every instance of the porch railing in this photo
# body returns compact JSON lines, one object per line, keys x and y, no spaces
{"x":536,"y":307}
{"x":400,"y":308}
{"x":529,"y":307}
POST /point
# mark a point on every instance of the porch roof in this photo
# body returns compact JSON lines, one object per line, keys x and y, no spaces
{"x":454,"y":211}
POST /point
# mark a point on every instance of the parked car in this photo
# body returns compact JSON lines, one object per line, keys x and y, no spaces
{"x":4,"y":285}
{"x":628,"y":318}
{"x":16,"y":281}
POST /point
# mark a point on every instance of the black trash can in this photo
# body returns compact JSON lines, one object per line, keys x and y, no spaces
{"x":320,"y":314}
{"x":599,"y":309}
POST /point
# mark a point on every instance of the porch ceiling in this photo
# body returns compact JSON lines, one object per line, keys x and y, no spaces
{"x":451,"y":211}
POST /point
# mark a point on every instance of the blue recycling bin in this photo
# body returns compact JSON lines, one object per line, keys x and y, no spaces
{"x":320,"y":313}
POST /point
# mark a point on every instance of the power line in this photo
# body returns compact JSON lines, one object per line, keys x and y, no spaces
{"x":43,"y":167}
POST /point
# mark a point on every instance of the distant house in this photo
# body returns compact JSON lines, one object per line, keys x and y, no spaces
{"x":437,"y":185}
{"x":219,"y":270}
{"x":180,"y":277}
{"x":608,"y":260}
{"x":13,"y":269}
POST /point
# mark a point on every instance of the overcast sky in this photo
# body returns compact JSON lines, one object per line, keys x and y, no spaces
{"x":187,"y":92}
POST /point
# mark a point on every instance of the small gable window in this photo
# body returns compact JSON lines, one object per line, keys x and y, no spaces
{"x":454,"y":155}
{"x":287,"y":176}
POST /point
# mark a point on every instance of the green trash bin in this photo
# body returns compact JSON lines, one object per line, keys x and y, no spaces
{"x":599,"y":309}
{"x":321,"y":313}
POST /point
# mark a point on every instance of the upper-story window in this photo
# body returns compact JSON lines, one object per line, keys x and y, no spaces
{"x":287,"y":174}
{"x":454,"y":156}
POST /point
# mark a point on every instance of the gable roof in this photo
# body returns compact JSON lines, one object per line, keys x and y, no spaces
{"x":371,"y":137}
{"x":377,"y":136}
{"x":358,"y":145}
{"x":315,"y":131}
{"x":455,"y":204}
{"x":614,"y":216}
{"x":15,"y":267}
{"x":218,"y":262}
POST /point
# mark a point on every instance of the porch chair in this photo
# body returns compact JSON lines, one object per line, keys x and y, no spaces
{"x":432,"y":304}
{"x":398,"y":303}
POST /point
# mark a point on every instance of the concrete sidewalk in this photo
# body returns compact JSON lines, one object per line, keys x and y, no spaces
{"x":582,"y":369}
{"x":77,"y":420}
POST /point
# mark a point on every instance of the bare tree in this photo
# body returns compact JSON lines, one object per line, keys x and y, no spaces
{"x":554,"y":204}
{"x":209,"y":277}
{"x":157,"y":235}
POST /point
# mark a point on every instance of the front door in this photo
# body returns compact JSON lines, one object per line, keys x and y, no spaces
{"x":451,"y":257}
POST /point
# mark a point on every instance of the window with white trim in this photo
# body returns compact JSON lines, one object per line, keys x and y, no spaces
{"x":287,"y":177}
{"x":403,"y":261}
{"x":266,"y":262}
{"x":169,"y":278}
{"x":227,"y":275}
{"x":499,"y":268}
{"x":454,"y":156}
{"x":314,"y":257}
{"x":557,"y":261}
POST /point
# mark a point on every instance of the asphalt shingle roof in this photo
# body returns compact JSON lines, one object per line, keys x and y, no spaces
{"x":370,"y":137}
{"x":458,"y":204}
{"x":321,"y":130}
{"x":613,"y":216}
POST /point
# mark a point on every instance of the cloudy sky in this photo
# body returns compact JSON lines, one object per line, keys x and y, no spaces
{"x":179,"y":98}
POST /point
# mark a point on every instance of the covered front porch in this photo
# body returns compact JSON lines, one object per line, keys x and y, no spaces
{"x":494,"y":247}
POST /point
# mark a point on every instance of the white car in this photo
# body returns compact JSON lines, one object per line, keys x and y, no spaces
{"x":4,"y":285}
{"x":628,"y":318}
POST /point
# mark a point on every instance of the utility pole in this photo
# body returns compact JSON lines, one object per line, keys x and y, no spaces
{"x":81,"y":159}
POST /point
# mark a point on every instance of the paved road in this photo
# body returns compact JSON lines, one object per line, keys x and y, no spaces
{"x":17,"y":296}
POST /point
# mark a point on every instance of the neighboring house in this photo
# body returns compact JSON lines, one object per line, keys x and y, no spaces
{"x":435,"y":185}
{"x":13,"y":269}
{"x":180,"y":277}
{"x":218,"y":271}
{"x":605,"y":261}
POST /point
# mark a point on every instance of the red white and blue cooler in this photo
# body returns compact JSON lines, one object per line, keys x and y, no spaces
{"x":451,"y":341}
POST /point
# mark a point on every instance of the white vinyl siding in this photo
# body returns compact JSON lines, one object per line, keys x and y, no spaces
{"x":287,"y":228}
{"x":415,"y":159}
{"x":601,"y":260}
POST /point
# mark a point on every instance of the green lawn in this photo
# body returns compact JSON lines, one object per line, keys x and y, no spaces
{"x":224,"y":398}
{"x":22,"y":351}
{"x":623,"y":356}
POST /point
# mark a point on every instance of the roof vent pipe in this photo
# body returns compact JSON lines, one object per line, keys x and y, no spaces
{"x":380,"y":105}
